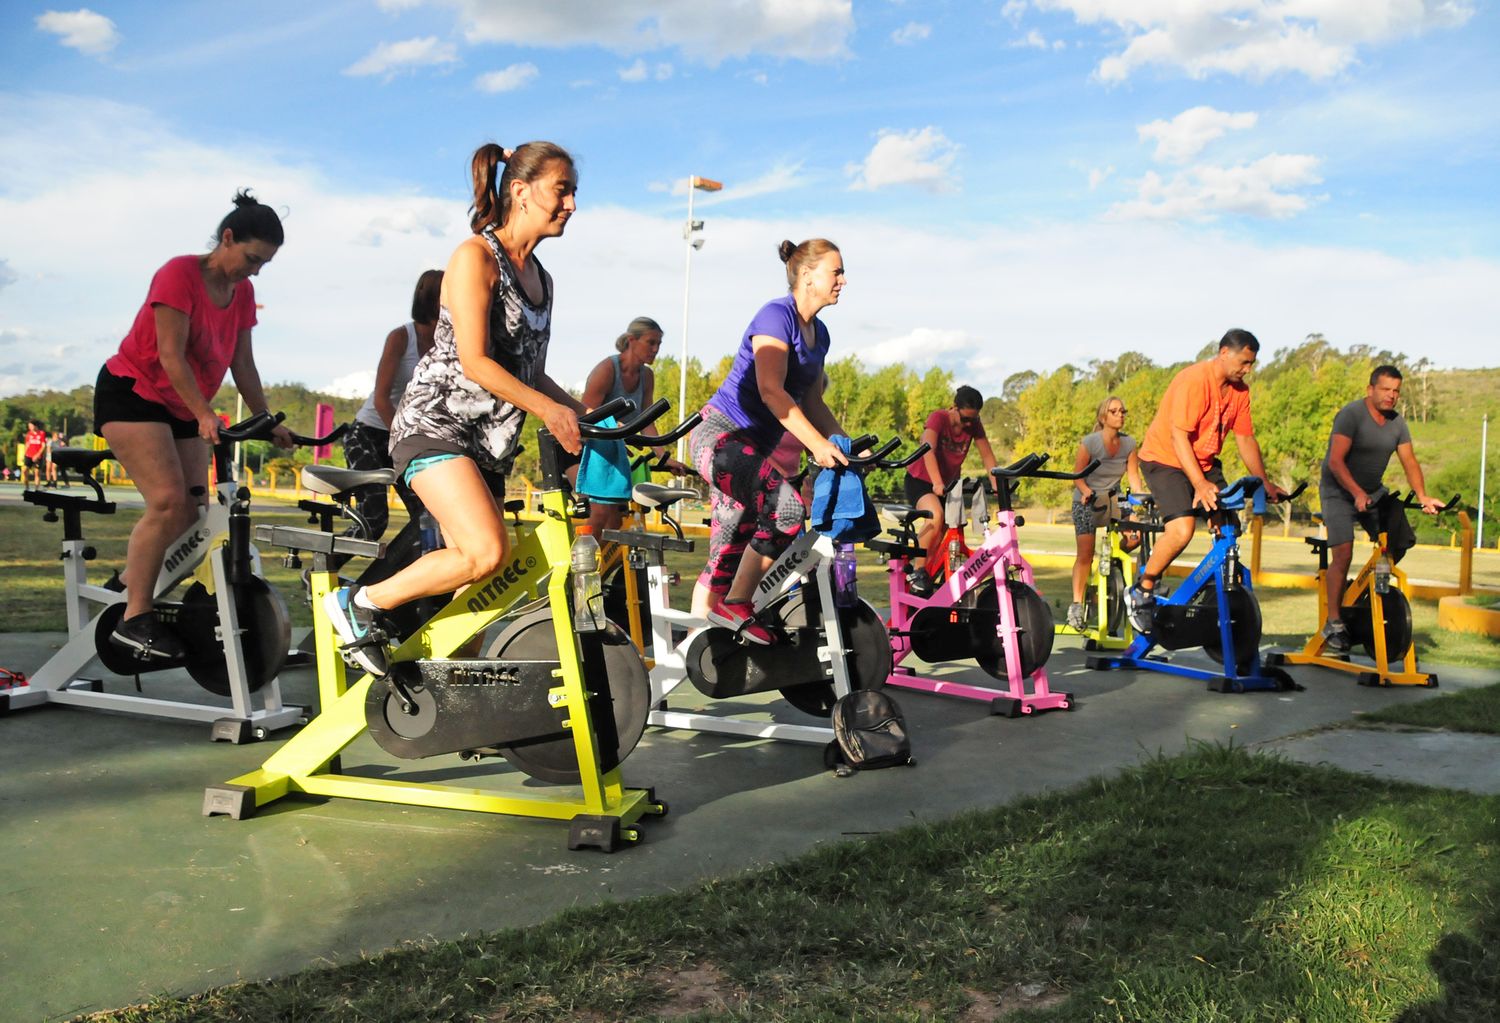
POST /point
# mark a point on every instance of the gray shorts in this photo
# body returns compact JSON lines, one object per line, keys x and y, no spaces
{"x":1085,"y":519}
{"x":1339,"y":516}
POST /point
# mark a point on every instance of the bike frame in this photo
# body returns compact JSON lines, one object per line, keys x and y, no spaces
{"x":537,"y":566}
{"x":1112,"y":552}
{"x":1221,"y":569}
{"x":200,"y":553}
{"x":1381,"y":672}
{"x":997,"y":558}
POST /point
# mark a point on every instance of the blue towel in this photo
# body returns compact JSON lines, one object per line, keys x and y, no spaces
{"x":841,"y":509}
{"x":604,"y":469}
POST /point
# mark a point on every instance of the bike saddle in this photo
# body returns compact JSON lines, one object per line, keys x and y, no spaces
{"x":79,"y":459}
{"x":905,"y":514}
{"x":654,"y":495}
{"x":334,"y":480}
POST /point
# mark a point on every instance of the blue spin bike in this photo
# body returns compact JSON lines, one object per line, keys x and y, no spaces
{"x":1215,"y":608}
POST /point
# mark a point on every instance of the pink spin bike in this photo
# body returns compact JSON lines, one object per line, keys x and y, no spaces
{"x":987,"y":608}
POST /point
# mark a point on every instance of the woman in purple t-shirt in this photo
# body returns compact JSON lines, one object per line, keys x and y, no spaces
{"x":775,"y":386}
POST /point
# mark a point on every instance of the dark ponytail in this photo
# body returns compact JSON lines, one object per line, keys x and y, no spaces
{"x":251,"y":220}
{"x":492,"y":169}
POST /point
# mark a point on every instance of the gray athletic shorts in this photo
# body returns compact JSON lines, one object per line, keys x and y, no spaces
{"x":1339,"y":516}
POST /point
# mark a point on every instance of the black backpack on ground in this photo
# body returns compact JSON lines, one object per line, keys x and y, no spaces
{"x":869,"y":731}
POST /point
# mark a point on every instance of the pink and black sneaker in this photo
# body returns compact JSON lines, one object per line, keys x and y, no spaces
{"x":739,"y":616}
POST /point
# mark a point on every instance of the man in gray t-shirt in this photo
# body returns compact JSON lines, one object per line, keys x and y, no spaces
{"x":1365,"y":435}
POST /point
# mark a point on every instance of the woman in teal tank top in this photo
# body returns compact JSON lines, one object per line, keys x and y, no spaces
{"x":626,"y":374}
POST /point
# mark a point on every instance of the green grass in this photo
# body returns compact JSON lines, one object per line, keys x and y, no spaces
{"x":31,"y":582}
{"x":1474,"y":710}
{"x":1213,"y":887}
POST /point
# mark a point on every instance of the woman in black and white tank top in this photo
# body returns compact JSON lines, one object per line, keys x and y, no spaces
{"x":455,"y":430}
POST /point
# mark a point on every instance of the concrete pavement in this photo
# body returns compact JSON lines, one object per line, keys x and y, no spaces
{"x":116,"y":888}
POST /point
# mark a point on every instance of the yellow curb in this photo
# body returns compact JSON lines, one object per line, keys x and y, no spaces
{"x":1457,"y":615}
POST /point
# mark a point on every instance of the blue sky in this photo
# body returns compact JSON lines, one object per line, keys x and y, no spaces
{"x":1013,"y":184}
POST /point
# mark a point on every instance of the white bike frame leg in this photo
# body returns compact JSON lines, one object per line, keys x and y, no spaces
{"x":670,"y":671}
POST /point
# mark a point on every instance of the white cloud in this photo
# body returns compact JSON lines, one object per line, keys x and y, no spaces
{"x":397,"y":5}
{"x":509,"y":79}
{"x":708,"y":32}
{"x":640,"y":71}
{"x":413,"y":219}
{"x":390,"y":59}
{"x":1025,"y":298}
{"x":1184,"y":136}
{"x":1031,"y":40}
{"x":1259,"y":189}
{"x":1013,"y":10}
{"x":7,"y":275}
{"x":358,"y":384}
{"x":922,"y":157}
{"x":911,"y":32}
{"x":1254,"y":38}
{"x":918,"y":348}
{"x":83,"y":30}
{"x":1098,"y":175}
{"x":784,"y":177}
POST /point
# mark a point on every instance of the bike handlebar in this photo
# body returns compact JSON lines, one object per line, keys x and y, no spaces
{"x":672,"y":436}
{"x":589,"y":429}
{"x":1030,"y":467}
{"x":1409,"y":499}
{"x":902,"y":463}
{"x":260,"y":425}
{"x":867,"y":461}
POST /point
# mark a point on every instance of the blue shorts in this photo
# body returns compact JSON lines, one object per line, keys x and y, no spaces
{"x":425,"y":462}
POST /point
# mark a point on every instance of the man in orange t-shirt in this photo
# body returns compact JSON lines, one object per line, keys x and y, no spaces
{"x":1180,"y":455}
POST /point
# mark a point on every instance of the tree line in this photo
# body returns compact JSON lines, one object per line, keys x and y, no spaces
{"x":1295,"y":392}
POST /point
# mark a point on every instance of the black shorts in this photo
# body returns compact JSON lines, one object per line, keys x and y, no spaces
{"x":1172,"y":489}
{"x":115,"y":401}
{"x":915,"y":489}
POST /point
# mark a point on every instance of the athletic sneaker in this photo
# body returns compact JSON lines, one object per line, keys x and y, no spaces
{"x":1336,"y":638}
{"x":1141,"y":606}
{"x":1076,"y":619}
{"x":363,"y":639}
{"x":148,"y":638}
{"x":919,"y":583}
{"x":740,"y":616}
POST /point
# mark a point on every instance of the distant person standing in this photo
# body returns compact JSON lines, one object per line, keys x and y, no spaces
{"x":151,"y":401}
{"x":1366,"y":432}
{"x":33,"y":451}
{"x":53,"y":443}
{"x":367,"y":442}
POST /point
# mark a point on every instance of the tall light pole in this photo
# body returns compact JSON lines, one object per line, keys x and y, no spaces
{"x":1484,"y":447}
{"x":693,"y":241}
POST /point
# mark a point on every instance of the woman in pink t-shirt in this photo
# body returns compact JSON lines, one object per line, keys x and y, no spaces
{"x":151,"y":401}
